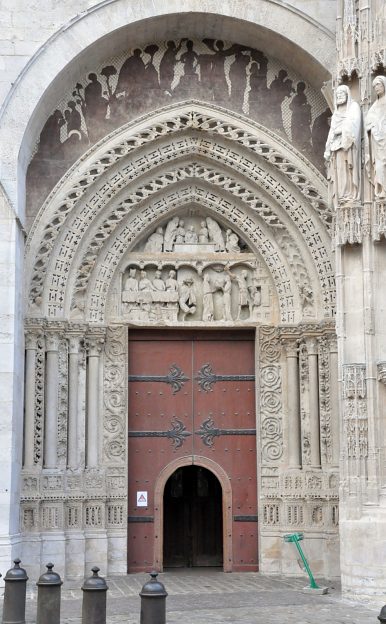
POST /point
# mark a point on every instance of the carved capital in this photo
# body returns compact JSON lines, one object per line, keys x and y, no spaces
{"x":381,"y":368}
{"x":31,"y":339}
{"x":312,"y":345}
{"x":73,"y":343}
{"x":350,"y":223}
{"x":291,"y":348}
{"x":52,"y":341}
{"x":94,"y":345}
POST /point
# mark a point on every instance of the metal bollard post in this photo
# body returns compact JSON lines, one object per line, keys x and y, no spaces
{"x":382,"y":615}
{"x":49,"y":585}
{"x":14,"y":595}
{"x":153,"y":601}
{"x":94,"y":599}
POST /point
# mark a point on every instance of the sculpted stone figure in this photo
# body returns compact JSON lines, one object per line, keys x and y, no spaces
{"x":375,"y":124}
{"x":170,"y":234}
{"x":343,"y":148}
{"x":232,"y":242}
{"x":171,"y":283}
{"x":131,"y":283}
{"x":244,"y":289}
{"x":155,"y":241}
{"x":191,"y":236}
{"x":145,"y":284}
{"x":180,"y":233}
{"x":207,"y":299}
{"x":203,"y":234}
{"x":158,"y":283}
{"x":215,"y":234}
{"x":187,"y":300}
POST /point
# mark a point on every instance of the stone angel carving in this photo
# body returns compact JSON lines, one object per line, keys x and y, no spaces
{"x":375,"y":124}
{"x":343,"y":148}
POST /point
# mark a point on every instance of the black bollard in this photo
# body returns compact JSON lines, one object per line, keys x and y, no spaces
{"x":14,"y":595}
{"x":94,"y":599}
{"x":49,"y":585}
{"x":153,"y":601}
{"x":382,"y":615}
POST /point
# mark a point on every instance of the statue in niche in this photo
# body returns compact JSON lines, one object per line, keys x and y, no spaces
{"x":180,"y":233}
{"x":375,"y":124}
{"x":187,"y":298}
{"x":171,"y":283}
{"x":191,"y":237}
{"x":155,"y":241}
{"x":215,"y":234}
{"x":244,"y":289}
{"x":158,"y":283}
{"x":170,"y":234}
{"x":231,"y":242}
{"x":131,"y":284}
{"x":207,"y":299}
{"x":203,"y":234}
{"x":343,"y":148}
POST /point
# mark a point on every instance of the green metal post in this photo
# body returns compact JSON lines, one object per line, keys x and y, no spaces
{"x":295,"y":538}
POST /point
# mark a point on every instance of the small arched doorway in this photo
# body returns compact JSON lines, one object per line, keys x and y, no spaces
{"x":193,"y":522}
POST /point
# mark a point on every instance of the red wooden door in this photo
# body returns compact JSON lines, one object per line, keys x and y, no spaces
{"x":191,"y":394}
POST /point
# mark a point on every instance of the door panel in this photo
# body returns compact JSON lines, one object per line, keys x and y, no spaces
{"x":192,"y":393}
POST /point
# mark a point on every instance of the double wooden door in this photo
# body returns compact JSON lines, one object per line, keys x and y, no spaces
{"x":191,"y":396}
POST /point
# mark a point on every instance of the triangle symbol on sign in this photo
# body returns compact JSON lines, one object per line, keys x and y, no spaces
{"x":142,"y":499}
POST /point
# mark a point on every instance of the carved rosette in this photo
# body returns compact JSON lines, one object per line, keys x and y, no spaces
{"x":271,"y":396}
{"x":114,"y":395}
{"x":355,"y":411}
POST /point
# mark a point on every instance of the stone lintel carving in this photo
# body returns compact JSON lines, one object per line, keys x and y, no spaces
{"x":203,"y":290}
{"x":378,"y":225}
{"x":381,"y":368}
{"x":343,"y":149}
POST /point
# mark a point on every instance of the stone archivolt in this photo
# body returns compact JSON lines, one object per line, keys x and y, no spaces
{"x":85,"y":254}
{"x":102,"y":199}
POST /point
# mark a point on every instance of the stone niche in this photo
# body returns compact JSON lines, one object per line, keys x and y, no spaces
{"x":194,"y":270}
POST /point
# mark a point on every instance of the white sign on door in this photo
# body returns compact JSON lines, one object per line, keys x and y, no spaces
{"x":141,"y":499}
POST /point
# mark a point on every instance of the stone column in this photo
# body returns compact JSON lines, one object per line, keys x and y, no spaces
{"x":31,"y":340}
{"x":334,"y":401}
{"x":312,"y":349}
{"x":293,"y":399}
{"x":73,"y":384}
{"x":52,"y":400}
{"x":94,"y":346}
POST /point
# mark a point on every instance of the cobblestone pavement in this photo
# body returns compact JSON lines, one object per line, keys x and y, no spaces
{"x":210,"y":597}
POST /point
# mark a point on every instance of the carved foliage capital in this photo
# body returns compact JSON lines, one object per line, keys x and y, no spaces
{"x":94,"y":344}
{"x":52,"y":341}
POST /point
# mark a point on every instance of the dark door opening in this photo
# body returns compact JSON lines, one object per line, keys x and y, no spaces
{"x":193,"y":529}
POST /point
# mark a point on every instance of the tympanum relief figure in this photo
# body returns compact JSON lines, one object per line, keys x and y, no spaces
{"x":375,"y":124}
{"x":343,"y":148}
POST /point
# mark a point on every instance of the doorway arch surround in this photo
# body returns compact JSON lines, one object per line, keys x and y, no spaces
{"x":219,"y":472}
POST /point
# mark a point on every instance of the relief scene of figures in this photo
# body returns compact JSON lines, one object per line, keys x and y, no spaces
{"x":236,"y":77}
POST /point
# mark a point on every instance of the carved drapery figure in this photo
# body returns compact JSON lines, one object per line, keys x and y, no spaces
{"x":180,"y":233}
{"x":188,"y":299}
{"x":215,"y":234}
{"x":343,"y":148}
{"x":155,"y":241}
{"x":171,"y":282}
{"x":158,"y":283}
{"x":207,"y":299}
{"x":244,"y":297}
{"x":131,"y":283}
{"x":232,"y":242}
{"x":170,"y":233}
{"x":203,"y":235}
{"x":375,"y":124}
{"x":191,"y":236}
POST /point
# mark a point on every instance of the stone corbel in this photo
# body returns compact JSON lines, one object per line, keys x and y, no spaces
{"x":381,"y":368}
